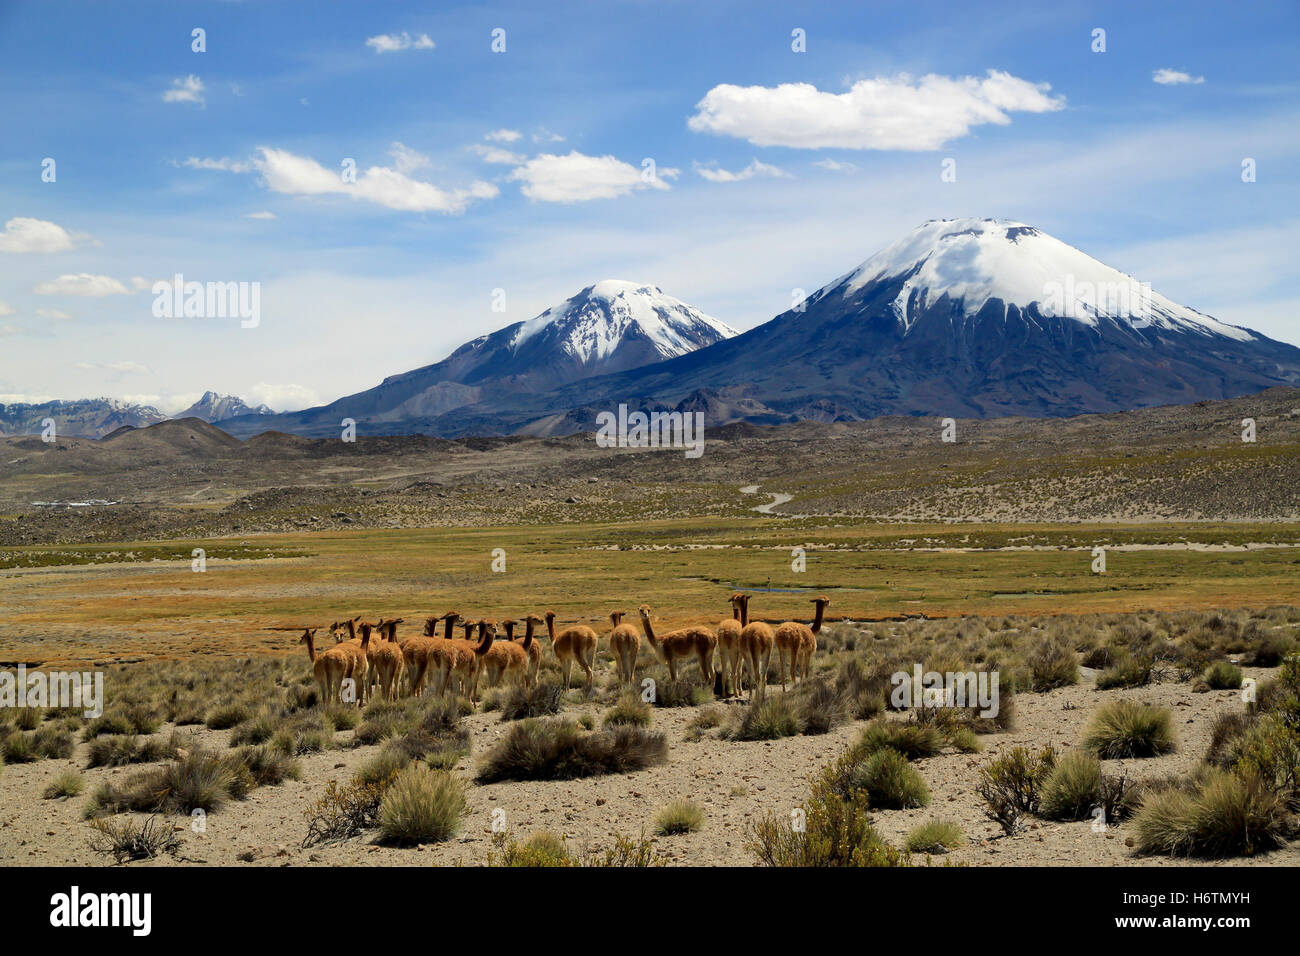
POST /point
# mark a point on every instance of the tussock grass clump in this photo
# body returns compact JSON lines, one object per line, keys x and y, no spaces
{"x":382,"y":767}
{"x":53,"y":742}
{"x":1052,"y":664}
{"x":1011,"y":785}
{"x":19,"y":747}
{"x":821,"y":705}
{"x":69,"y":783}
{"x":268,"y":766}
{"x":1223,"y":676}
{"x":1127,"y":671}
{"x":630,"y":710}
{"x":422,"y":806}
{"x":29,"y":718}
{"x":1125,"y":728}
{"x":678,"y":816}
{"x":542,"y":700}
{"x":681,"y":693}
{"x":227,"y":716}
{"x":934,"y":836}
{"x":889,"y":781}
{"x":1071,"y":790}
{"x":119,"y":751}
{"x":256,"y":730}
{"x":127,"y":840}
{"x":913,"y":740}
{"x":539,"y":749}
{"x":342,"y":718}
{"x":1225,"y":816}
{"x":771,"y":718}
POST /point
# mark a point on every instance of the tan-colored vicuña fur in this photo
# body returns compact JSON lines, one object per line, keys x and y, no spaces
{"x":796,"y":643}
{"x":507,"y":658}
{"x":682,"y":643}
{"x":423,"y":654}
{"x":534,"y":649}
{"x":729,"y":649}
{"x":460,"y":662}
{"x":624,"y":644}
{"x":326,"y":668}
{"x":577,"y":643}
{"x":386,"y":659}
{"x":756,"y":642}
{"x":487,"y":633}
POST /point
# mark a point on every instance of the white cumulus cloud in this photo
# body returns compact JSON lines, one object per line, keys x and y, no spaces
{"x":503,"y":136}
{"x":884,"y":113}
{"x":1167,"y":77}
{"x":21,"y":234}
{"x":578,"y":178}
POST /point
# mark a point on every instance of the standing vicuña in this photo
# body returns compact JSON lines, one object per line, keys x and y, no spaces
{"x":680,"y":644}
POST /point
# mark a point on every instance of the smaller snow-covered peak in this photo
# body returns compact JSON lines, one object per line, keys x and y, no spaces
{"x":591,"y":325}
{"x":975,"y":260}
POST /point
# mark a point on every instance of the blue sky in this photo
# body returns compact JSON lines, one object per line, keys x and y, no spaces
{"x":522,"y":170}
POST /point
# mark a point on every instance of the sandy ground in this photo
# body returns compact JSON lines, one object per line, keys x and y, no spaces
{"x":735,"y":783}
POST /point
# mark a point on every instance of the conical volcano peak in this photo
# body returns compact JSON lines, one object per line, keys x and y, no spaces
{"x":599,"y":319}
{"x":974,"y":261}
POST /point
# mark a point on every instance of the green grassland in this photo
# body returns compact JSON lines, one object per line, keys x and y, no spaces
{"x":684,"y":569}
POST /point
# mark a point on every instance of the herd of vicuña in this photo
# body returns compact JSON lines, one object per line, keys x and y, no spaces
{"x":375,"y":662}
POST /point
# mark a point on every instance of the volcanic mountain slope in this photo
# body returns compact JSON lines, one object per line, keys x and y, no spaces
{"x":608,"y":327}
{"x":964,"y":318}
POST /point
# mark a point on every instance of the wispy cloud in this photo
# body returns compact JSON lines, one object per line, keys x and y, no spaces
{"x":224,"y":164}
{"x":755,"y":168}
{"x":119,"y":368}
{"x":578,"y":178}
{"x":187,"y":89}
{"x":503,"y":136}
{"x":395,"y":42}
{"x":82,"y":284}
{"x":1167,"y":77}
{"x":284,"y":172}
{"x":262,"y":214}
{"x":882,"y":113}
{"x":497,"y":155}
{"x":836,"y":166}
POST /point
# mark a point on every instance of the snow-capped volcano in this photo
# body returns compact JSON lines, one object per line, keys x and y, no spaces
{"x":594,"y":324}
{"x":213,"y":408}
{"x":611,"y":326}
{"x":974,"y":261}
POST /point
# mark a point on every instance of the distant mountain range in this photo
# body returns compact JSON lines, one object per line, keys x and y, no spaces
{"x":963,"y":317}
{"x":97,"y":417}
{"x":968,"y":318}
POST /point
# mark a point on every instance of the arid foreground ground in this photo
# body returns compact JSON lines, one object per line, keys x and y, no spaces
{"x":975,"y":556}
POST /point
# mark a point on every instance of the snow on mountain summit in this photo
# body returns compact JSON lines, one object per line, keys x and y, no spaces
{"x":591,"y":325}
{"x":976,"y":260}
